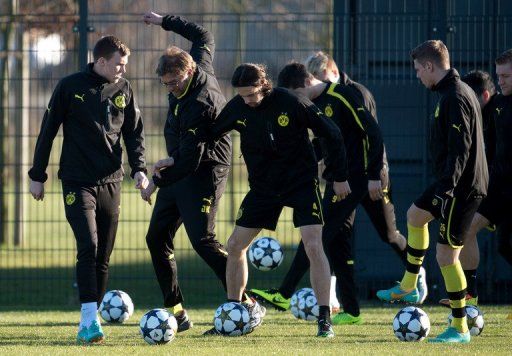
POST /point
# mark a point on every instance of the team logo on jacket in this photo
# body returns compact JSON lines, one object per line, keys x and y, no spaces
{"x":436,"y":113}
{"x":283,"y":120}
{"x":70,"y":198}
{"x":120,"y":101}
{"x":328,"y":111}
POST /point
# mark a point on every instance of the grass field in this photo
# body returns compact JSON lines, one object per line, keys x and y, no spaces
{"x":53,"y":333}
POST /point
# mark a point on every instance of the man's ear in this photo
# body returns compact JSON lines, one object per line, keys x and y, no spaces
{"x":486,"y":96}
{"x":429,"y":66}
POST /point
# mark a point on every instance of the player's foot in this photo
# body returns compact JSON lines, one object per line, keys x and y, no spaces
{"x":94,"y":333}
{"x":184,"y":322}
{"x":346,"y":319}
{"x":271,"y":296}
{"x":212,"y":332}
{"x":445,"y":302}
{"x":396,"y":294}
{"x":422,"y":285}
{"x":256,"y":314}
{"x":81,"y":338}
{"x":452,"y":335}
{"x":324,"y":329}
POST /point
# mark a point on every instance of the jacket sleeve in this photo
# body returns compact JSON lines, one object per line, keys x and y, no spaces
{"x":192,"y":141}
{"x":133,"y":136}
{"x":458,"y":134}
{"x":224,"y":123}
{"x":52,"y":119}
{"x":331,"y":137}
{"x":203,"y":44}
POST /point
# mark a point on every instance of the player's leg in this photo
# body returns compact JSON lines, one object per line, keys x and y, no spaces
{"x":80,"y":208}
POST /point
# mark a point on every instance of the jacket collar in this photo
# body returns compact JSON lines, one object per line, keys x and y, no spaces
{"x":93,"y":76}
{"x":451,"y":77}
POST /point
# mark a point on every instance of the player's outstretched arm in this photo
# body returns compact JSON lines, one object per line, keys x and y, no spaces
{"x":152,"y":18}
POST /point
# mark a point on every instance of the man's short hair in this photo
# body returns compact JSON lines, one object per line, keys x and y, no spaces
{"x":504,"y":58}
{"x":479,"y":81}
{"x":252,"y":75}
{"x":293,"y":76}
{"x":107,"y":46}
{"x":318,"y":62}
{"x":175,"y":61}
{"x":434,"y":51}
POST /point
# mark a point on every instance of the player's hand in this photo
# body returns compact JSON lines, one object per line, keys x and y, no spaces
{"x":375,"y":189}
{"x":146,"y":193}
{"x":141,"y":181}
{"x":37,"y":190}
{"x":341,"y":189}
{"x":161,"y":165}
{"x":151,"y":17}
{"x":384,"y":177}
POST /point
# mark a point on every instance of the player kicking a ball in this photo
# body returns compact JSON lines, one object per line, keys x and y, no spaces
{"x":460,"y":168}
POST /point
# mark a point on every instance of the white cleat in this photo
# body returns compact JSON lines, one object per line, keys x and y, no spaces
{"x":422,"y":285}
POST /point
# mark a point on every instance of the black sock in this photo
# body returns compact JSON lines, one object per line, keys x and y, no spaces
{"x":233,"y":300}
{"x":471,"y":282}
{"x":324,"y":313}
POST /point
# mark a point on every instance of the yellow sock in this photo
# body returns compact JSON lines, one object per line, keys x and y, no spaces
{"x":417,"y":245}
{"x":455,"y":282}
{"x":177,"y":308}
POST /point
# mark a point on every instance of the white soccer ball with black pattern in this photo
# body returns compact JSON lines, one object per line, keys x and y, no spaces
{"x":158,"y":326}
{"x":116,"y":307}
{"x":303,"y":305}
{"x":231,"y":319}
{"x":475,"y":320}
{"x":411,"y":324}
{"x":266,"y":254}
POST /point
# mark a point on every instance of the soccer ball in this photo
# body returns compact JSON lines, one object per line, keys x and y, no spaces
{"x":411,"y":324}
{"x":266,"y":254}
{"x":304,"y":305}
{"x":158,"y":326}
{"x":475,"y":320}
{"x":231,"y":319}
{"x":116,"y":307}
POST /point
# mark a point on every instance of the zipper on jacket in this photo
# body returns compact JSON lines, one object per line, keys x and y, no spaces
{"x":271,"y":136}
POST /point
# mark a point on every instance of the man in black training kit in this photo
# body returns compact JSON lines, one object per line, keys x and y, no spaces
{"x":495,"y":208}
{"x":365,"y":149}
{"x":96,"y":107}
{"x":193,"y":177}
{"x":273,"y":125}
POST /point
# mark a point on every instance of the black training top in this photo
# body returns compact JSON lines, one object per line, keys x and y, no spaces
{"x":456,"y":140}
{"x":94,"y":114}
{"x":275,"y":143}
{"x":502,"y":167}
{"x":190,"y":116}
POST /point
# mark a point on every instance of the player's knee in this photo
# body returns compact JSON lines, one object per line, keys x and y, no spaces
{"x":235,"y":247}
{"x":313,"y":246}
{"x":445,"y":255}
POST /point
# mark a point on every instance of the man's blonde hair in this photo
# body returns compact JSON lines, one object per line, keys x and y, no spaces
{"x":175,"y":61}
{"x":318,"y":62}
{"x":434,"y":51}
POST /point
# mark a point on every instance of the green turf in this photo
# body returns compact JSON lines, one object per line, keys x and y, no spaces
{"x":53,"y":333}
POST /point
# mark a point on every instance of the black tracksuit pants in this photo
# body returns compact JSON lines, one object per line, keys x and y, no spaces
{"x":192,"y":201}
{"x":338,"y":240}
{"x":93,"y":213}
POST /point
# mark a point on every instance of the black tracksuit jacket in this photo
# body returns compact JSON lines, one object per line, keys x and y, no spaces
{"x":501,"y":172}
{"x":456,"y":140}
{"x":190,"y":116}
{"x":94,"y":114}
{"x":275,"y":142}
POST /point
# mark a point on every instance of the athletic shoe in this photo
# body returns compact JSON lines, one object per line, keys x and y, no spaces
{"x":256,"y":314}
{"x":396,"y":294}
{"x":271,"y":296}
{"x":445,"y":302}
{"x":452,"y":335}
{"x":346,"y":319}
{"x":94,"y":333}
{"x":81,"y":338}
{"x":422,"y":285}
{"x":212,"y":332}
{"x":325,"y":329}
{"x":184,"y":322}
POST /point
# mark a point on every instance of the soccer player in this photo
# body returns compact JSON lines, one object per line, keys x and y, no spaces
{"x":483,"y":86}
{"x":494,"y":208}
{"x":96,"y":107}
{"x":193,"y":177}
{"x":273,"y":125}
{"x":460,"y":169}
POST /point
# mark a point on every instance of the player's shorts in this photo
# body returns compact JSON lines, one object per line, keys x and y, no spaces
{"x":260,"y":210}
{"x":496,"y":206}
{"x":457,"y":218}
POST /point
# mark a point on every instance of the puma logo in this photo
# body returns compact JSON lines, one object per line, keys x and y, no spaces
{"x":242,"y":122}
{"x":209,"y":201}
{"x":314,"y":213}
{"x":457,"y":127}
{"x":192,"y":130}
{"x":80,"y":97}
{"x":499,"y":110}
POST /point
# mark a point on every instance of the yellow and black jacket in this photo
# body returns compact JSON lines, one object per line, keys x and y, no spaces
{"x":190,"y":116}
{"x":456,"y":140}
{"x":275,"y":143}
{"x":94,"y":115}
{"x":363,"y":139}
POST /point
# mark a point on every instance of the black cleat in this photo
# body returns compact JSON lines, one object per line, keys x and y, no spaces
{"x":212,"y":332}
{"x":325,"y":329}
{"x":184,"y":323}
